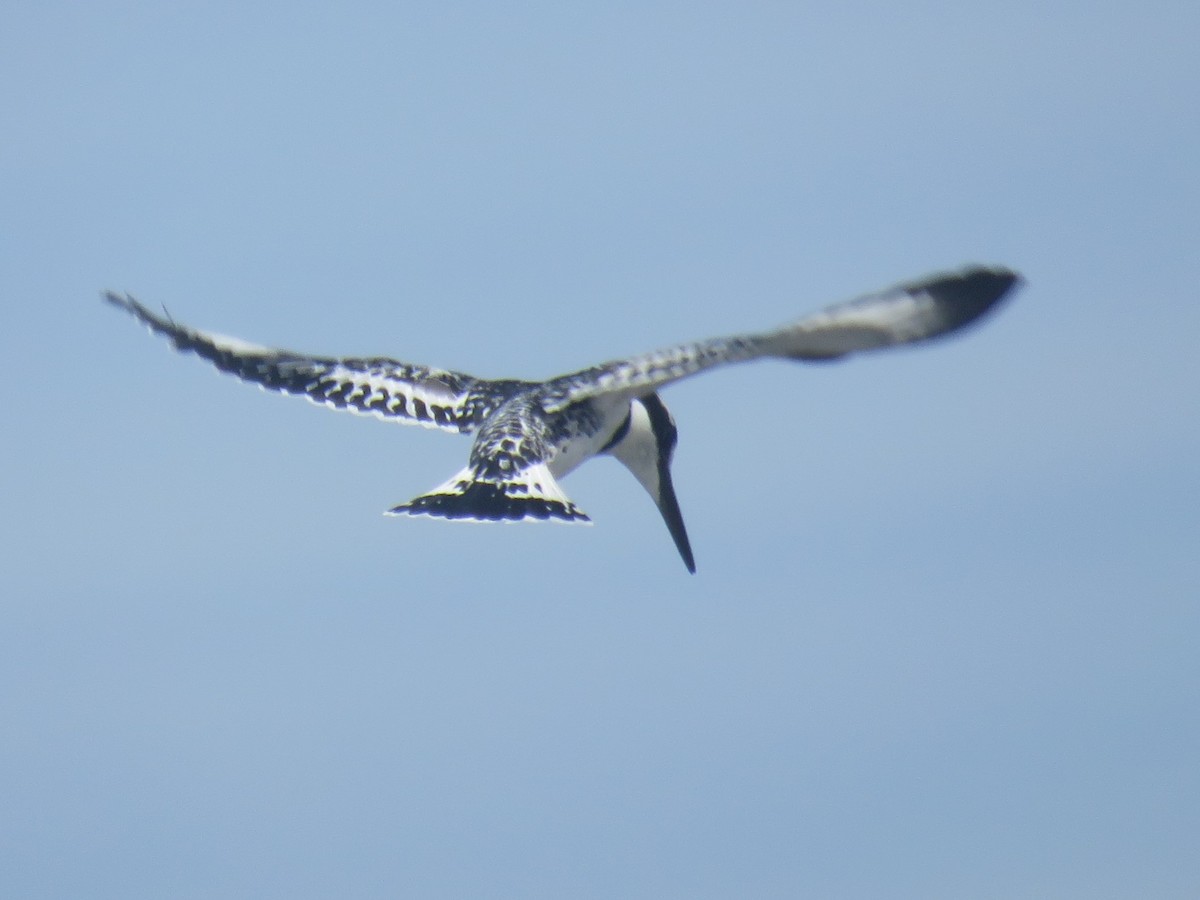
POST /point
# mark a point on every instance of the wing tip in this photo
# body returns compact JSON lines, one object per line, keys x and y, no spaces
{"x":973,"y":291}
{"x":162,"y":324}
{"x":124,"y":301}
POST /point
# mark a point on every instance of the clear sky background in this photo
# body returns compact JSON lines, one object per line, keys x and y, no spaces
{"x":943,"y":637}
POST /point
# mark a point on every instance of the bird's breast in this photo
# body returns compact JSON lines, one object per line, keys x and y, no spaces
{"x":582,"y":430}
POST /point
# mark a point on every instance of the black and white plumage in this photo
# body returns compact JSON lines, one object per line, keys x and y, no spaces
{"x":529,"y":434}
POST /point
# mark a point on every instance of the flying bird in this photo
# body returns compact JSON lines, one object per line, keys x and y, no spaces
{"x":529,"y":434}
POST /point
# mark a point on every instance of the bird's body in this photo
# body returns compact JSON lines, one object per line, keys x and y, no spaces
{"x":530,"y":434}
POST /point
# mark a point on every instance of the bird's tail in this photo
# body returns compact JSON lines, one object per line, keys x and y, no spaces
{"x":530,"y":493}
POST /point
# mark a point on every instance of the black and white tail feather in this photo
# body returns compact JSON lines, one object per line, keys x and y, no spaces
{"x":530,"y":434}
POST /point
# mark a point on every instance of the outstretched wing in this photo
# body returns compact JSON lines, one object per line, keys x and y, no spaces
{"x":905,"y":314}
{"x":380,"y":387}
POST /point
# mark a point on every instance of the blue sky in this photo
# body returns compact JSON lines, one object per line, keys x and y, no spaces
{"x":942,"y":639}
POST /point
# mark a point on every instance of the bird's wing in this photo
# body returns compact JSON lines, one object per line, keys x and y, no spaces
{"x":905,"y":314}
{"x":386,"y":388}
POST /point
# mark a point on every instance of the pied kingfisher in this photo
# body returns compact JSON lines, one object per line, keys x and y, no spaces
{"x":529,"y":434}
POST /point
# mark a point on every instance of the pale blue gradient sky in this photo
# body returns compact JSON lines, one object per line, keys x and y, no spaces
{"x":942,"y":641}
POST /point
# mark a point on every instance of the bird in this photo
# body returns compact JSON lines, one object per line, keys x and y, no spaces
{"x":528,"y":435}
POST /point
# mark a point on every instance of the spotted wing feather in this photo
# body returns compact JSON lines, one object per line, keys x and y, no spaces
{"x":386,"y":388}
{"x":905,"y":314}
